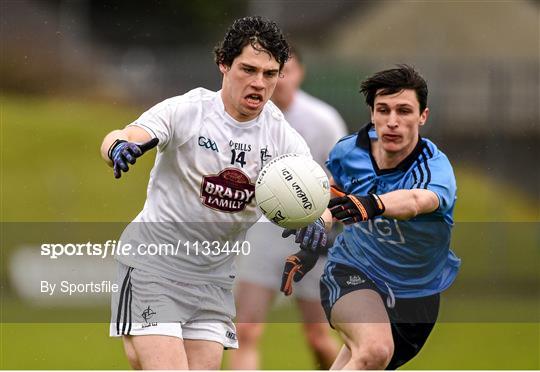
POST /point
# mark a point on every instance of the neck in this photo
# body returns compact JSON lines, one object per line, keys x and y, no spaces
{"x":389,"y":160}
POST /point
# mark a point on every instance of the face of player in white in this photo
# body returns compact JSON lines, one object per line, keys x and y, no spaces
{"x":291,"y":78}
{"x":397,"y":120}
{"x":248,"y":83}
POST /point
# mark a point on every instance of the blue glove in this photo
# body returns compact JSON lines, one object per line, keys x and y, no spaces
{"x":311,"y":238}
{"x":122,"y":152}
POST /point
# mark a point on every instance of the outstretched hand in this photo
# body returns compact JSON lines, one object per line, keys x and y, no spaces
{"x":296,"y":266}
{"x":311,"y":238}
{"x":122,"y":152}
{"x":350,"y":209}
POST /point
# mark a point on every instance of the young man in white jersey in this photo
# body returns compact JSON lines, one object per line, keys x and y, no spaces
{"x":260,"y":273}
{"x":175,"y":309}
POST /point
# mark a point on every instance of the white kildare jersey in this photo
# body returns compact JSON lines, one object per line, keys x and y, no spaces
{"x":320,"y":124}
{"x":200,"y":195}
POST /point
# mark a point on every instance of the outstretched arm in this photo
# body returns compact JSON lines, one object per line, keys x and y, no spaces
{"x":406,"y":204}
{"x":399,"y":204}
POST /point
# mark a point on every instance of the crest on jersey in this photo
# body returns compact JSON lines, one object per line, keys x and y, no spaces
{"x":229,"y":191}
{"x":265,"y":155}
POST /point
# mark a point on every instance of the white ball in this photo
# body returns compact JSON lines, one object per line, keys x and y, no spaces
{"x":292,"y":191}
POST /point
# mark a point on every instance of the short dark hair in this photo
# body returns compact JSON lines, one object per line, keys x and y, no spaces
{"x":395,"y":80}
{"x":257,"y":31}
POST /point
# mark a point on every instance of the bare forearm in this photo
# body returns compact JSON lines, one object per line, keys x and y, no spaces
{"x":406,"y":204}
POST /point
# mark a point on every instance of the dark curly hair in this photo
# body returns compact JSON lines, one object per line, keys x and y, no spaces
{"x":261,"y":33}
{"x":393,"y":81}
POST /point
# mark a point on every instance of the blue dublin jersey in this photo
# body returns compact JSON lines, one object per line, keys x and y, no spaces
{"x":405,"y":259}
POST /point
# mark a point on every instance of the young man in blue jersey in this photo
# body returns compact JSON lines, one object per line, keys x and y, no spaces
{"x":395,"y":195}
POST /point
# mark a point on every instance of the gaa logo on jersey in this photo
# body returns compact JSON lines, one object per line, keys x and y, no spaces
{"x":207,"y":143}
{"x":229,"y":191}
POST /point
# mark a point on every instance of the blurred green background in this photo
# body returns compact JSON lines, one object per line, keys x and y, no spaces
{"x":71,"y":71}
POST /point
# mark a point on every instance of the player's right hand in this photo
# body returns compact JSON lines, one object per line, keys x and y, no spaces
{"x":122,"y":152}
{"x":350,"y":209}
{"x":296,"y":266}
{"x":312,"y":238}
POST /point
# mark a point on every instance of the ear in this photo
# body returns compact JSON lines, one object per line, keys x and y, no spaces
{"x":223,"y":68}
{"x":372,"y":115}
{"x":424,"y":116}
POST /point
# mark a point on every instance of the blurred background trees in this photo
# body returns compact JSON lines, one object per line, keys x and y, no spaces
{"x":480,"y":59}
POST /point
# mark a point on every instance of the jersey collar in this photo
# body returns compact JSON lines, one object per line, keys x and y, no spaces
{"x":363,"y":141}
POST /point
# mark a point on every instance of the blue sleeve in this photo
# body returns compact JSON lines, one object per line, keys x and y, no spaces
{"x":442,"y":181}
{"x":333,"y":164}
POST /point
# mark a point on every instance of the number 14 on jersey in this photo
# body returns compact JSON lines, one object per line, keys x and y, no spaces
{"x":238,"y":157}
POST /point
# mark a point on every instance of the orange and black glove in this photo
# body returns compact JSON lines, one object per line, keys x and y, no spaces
{"x":350,"y":209}
{"x":296,"y":266}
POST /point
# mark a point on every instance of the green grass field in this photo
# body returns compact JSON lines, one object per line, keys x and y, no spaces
{"x":51,"y":171}
{"x":451,"y":346}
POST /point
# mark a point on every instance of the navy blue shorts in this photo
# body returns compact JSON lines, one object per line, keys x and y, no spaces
{"x":412,"y":319}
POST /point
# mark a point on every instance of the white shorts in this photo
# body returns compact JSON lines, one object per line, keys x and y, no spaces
{"x":264,"y":265}
{"x":147,"y":304}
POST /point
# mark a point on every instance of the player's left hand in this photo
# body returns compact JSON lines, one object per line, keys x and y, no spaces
{"x":311,"y":238}
{"x":296,"y":266}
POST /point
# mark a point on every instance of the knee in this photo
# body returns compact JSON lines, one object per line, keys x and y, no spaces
{"x":376,"y":355}
{"x":249,"y":333}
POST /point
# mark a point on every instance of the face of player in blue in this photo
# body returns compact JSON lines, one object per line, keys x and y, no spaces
{"x":397,"y":120}
{"x":248,"y":83}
